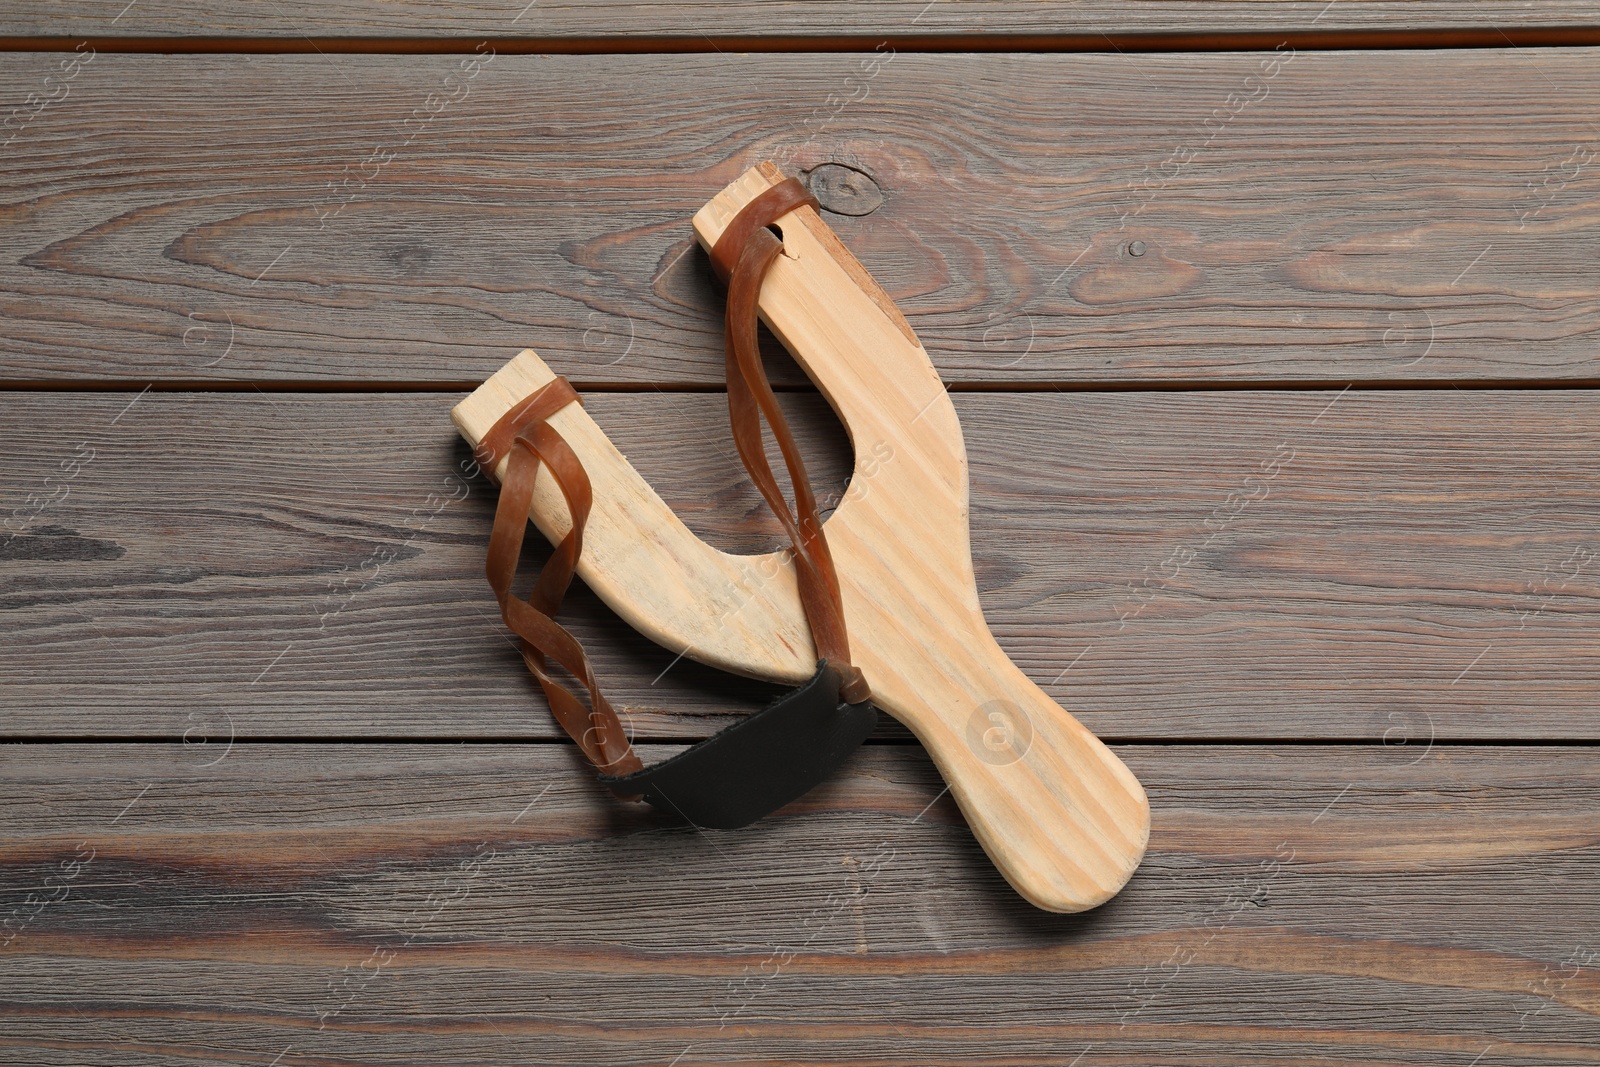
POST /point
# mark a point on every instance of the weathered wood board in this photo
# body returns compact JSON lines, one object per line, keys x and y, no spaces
{"x":382,"y":904}
{"x":1265,"y":217}
{"x":1167,"y":565}
{"x":616,"y":25}
{"x":1409,"y":564}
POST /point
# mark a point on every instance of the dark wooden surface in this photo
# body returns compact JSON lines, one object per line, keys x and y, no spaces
{"x":1283,"y":445}
{"x":1426,"y":216}
{"x":381,"y":904}
{"x":620,"y":25}
{"x":1424,"y":560}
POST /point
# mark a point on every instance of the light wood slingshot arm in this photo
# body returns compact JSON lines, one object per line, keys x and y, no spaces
{"x":1059,"y":814}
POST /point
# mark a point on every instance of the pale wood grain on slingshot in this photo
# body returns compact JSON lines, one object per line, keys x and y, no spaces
{"x":1062,"y":817}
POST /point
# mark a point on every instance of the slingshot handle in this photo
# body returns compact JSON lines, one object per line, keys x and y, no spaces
{"x":1060,"y":815}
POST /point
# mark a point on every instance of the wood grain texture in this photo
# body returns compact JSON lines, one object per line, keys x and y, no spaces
{"x":1330,"y":216}
{"x":893,"y":19}
{"x":1168,"y":565}
{"x":374,"y":904}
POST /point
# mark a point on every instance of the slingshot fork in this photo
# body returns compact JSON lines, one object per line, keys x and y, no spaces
{"x":1059,"y":814}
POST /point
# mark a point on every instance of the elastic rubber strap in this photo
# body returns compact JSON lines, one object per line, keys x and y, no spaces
{"x":750,"y":400}
{"x":526,"y":440}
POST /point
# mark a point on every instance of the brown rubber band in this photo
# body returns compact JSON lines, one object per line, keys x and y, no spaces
{"x":750,"y":399}
{"x":526,"y":440}
{"x":534,"y":408}
{"x":758,"y":214}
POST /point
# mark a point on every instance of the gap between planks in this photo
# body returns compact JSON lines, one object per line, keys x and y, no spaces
{"x":695,"y":44}
{"x":1244,"y":741}
{"x":1180,"y":385}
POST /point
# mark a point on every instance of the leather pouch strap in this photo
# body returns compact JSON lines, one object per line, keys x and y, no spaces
{"x":761,"y":762}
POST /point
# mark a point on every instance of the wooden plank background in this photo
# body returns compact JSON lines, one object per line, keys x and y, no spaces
{"x":442,"y":904}
{"x":1271,"y":565}
{"x":1017,"y":23}
{"x":1357,"y":215}
{"x":1273,"y":332}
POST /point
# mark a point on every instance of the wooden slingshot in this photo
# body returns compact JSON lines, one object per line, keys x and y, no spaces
{"x":1060,"y":815}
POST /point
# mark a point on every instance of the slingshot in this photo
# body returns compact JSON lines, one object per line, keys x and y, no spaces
{"x":1060,"y":815}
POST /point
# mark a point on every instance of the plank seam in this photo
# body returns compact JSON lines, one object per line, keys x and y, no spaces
{"x":1306,"y":40}
{"x":513,"y":741}
{"x":1174,"y":385}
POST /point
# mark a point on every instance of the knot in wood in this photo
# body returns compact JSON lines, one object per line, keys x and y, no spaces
{"x":843,"y":189}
